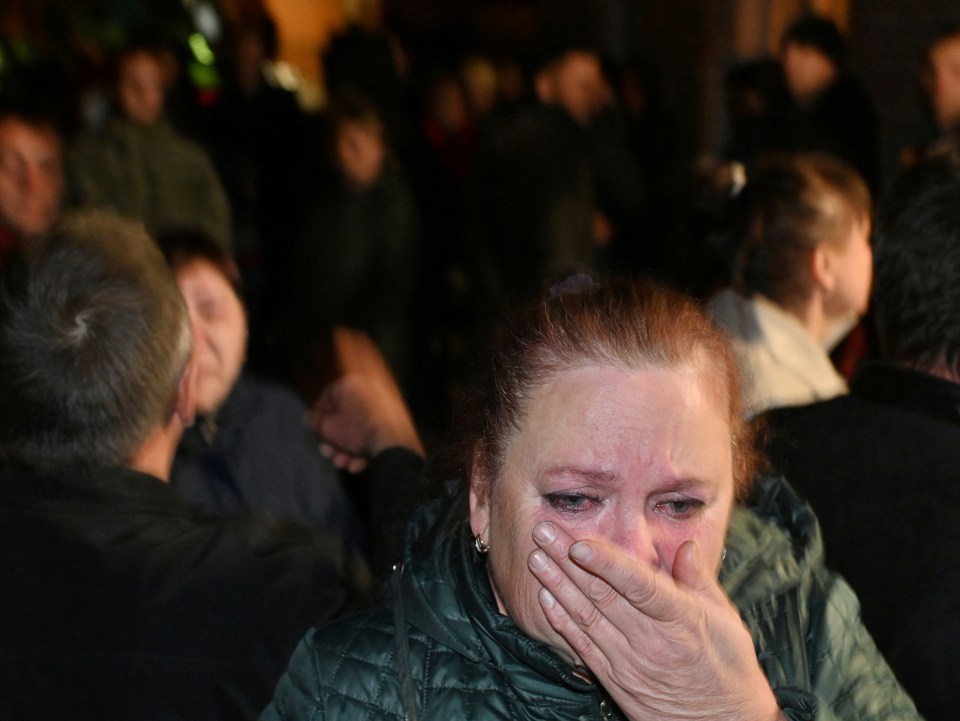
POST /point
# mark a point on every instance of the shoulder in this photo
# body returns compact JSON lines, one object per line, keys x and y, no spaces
{"x":343,"y":670}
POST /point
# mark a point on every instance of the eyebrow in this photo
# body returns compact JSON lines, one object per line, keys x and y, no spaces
{"x":604,"y":478}
{"x":588,"y":475}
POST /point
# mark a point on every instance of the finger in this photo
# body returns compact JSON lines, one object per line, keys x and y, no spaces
{"x":587,"y":599}
{"x":654,"y":594}
{"x":596,"y":660}
{"x":356,"y":465}
{"x":688,"y":567}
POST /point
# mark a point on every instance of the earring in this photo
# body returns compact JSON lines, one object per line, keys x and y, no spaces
{"x":482,"y":548}
{"x":724,"y":556}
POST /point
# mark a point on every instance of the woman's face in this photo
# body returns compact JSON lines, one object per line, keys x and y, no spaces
{"x":219,"y":328}
{"x":641,"y":459}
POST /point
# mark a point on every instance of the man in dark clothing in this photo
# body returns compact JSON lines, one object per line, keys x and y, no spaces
{"x":831,"y":111}
{"x":533,"y":201}
{"x":881,"y":467}
{"x":119,"y":601}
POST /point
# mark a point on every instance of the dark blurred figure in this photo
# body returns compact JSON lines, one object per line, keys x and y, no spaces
{"x":940,"y":78}
{"x":440,"y":169}
{"x":142,"y":168}
{"x":830,"y":110}
{"x":367,"y":60}
{"x":647,"y":227}
{"x":31,"y":175}
{"x":881,"y":466}
{"x":757,"y":101}
{"x":533,"y":209}
{"x":356,"y":258}
{"x":259,"y":145}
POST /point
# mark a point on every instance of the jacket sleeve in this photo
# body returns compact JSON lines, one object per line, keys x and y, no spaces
{"x":849,"y":677}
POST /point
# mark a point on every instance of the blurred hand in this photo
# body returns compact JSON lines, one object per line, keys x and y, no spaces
{"x":362,"y":413}
{"x":662,"y":647}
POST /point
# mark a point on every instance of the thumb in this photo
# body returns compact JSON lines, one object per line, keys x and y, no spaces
{"x":689,"y":570}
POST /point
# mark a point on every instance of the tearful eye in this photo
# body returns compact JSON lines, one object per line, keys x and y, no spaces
{"x":571,"y":502}
{"x":680,"y":507}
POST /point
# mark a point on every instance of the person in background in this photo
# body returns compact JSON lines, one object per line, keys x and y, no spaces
{"x":801,"y":276}
{"x":356,"y":259}
{"x":31,"y":175}
{"x":830,"y":110}
{"x":250,"y":448}
{"x":532,"y":206}
{"x":258,"y":143}
{"x":120,"y":601}
{"x":881,"y":466}
{"x":596,"y":562}
{"x":140,"y":167}
{"x":940,"y":78}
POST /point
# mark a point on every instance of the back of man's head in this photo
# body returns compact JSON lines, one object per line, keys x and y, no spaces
{"x":916,"y":291}
{"x":94,"y":336}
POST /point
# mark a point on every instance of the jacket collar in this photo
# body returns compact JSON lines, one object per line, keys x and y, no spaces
{"x":913,"y":390}
{"x":447,"y":594}
{"x":99,"y":490}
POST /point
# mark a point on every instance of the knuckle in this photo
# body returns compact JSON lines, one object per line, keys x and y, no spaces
{"x":588,"y":616}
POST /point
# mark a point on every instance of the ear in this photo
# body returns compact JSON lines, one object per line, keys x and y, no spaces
{"x":480,"y":493}
{"x":822,"y":268}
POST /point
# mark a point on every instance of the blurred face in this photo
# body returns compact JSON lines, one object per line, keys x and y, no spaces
{"x":638,"y":458}
{"x":807,"y":71}
{"x":220,"y":332}
{"x":943,"y":82}
{"x":853,"y":273}
{"x":578,"y":86}
{"x":31,"y":177}
{"x":360,"y":153}
{"x":141,"y":87}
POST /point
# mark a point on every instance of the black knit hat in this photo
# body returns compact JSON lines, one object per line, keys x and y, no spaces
{"x":820,"y":33}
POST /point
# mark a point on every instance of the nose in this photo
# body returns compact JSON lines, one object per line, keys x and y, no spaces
{"x":636,"y":537}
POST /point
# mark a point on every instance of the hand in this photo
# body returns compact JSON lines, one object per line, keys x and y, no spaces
{"x":362,"y":413}
{"x":662,"y":647}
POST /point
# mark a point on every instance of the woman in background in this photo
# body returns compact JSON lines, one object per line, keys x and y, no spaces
{"x":802,"y":276}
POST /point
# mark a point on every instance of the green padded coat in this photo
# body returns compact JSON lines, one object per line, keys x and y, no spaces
{"x":456,"y":657}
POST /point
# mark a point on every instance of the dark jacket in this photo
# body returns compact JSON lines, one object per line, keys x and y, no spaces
{"x":881,"y":468}
{"x":153,"y":175}
{"x":259,"y":455}
{"x":120,"y":603}
{"x":841,"y":122}
{"x":466,"y":661}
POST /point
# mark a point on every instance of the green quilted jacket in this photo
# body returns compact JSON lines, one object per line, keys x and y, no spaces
{"x":456,"y":657}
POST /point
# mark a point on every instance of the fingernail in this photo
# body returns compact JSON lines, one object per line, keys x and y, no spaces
{"x":546,"y":598}
{"x":581,"y":552}
{"x":538,"y":560}
{"x":545,"y":533}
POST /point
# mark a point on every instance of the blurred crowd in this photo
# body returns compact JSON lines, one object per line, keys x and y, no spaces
{"x":428,"y":197}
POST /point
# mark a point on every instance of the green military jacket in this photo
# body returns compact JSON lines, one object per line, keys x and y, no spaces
{"x":456,"y":657}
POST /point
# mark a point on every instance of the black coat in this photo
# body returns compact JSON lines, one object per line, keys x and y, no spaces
{"x":260,"y":455}
{"x":881,"y":468}
{"x":120,"y":603}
